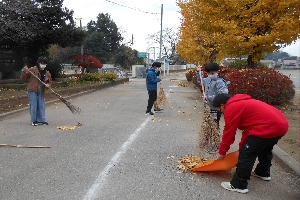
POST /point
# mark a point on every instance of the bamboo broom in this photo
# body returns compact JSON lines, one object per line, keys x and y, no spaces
{"x":209,"y":134}
{"x":161,"y":100}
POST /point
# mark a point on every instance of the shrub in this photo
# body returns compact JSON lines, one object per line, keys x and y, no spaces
{"x":266,"y":85}
{"x":109,"y":76}
{"x":93,"y":77}
{"x":190,"y":73}
{"x":73,"y":80}
{"x":89,"y":78}
{"x":243,"y":64}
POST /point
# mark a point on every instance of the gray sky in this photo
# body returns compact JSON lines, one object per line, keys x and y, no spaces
{"x":138,"y":18}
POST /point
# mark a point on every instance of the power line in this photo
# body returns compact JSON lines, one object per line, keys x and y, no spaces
{"x":132,"y":8}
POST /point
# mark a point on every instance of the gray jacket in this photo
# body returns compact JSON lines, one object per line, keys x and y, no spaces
{"x":213,"y":87}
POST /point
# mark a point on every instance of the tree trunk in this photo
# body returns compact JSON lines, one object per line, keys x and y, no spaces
{"x":250,"y":62}
{"x":213,"y":56}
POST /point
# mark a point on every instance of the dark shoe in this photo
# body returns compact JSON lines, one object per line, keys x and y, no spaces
{"x":261,"y":177}
{"x":43,"y":123}
{"x":149,"y":113}
{"x":158,"y":109}
{"x":34,"y":123}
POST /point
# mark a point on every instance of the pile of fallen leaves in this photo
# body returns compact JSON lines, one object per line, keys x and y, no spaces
{"x":189,"y":162}
{"x":182,"y":84}
{"x":67,"y":128}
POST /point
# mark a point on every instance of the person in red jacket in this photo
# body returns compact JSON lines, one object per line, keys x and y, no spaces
{"x":262,"y":126}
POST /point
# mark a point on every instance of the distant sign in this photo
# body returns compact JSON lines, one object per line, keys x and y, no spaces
{"x":142,"y":55}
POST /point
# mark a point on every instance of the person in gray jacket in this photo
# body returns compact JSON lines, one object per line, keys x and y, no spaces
{"x":213,"y":85}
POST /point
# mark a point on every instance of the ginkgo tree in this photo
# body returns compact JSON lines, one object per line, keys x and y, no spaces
{"x":197,"y":48}
{"x":195,"y":44}
{"x":236,"y":28}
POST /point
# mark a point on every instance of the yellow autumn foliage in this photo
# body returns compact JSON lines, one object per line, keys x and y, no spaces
{"x":211,"y":29}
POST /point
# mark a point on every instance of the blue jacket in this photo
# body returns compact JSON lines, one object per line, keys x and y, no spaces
{"x":152,"y":79}
{"x":157,"y":72}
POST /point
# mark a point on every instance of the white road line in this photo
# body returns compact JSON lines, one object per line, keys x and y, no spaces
{"x":95,"y":188}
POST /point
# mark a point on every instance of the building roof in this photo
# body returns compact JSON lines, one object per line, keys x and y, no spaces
{"x":290,"y":58}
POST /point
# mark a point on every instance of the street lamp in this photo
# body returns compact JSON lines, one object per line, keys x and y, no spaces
{"x":81,"y":48}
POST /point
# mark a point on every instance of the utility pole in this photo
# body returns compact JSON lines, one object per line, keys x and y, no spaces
{"x":160,"y":43}
{"x":81,"y":48}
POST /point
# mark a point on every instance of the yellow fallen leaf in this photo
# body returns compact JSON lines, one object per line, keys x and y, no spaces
{"x":67,"y":128}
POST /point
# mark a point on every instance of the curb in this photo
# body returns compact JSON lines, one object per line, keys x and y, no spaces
{"x":286,"y":161}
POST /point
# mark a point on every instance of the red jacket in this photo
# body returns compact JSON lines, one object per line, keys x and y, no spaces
{"x":253,"y":117}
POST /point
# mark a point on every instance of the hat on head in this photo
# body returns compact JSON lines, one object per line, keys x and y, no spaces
{"x":157,"y":64}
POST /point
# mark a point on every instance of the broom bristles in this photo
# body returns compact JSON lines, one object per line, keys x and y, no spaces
{"x":210,"y":133}
{"x":161,"y":99}
{"x":72,"y":108}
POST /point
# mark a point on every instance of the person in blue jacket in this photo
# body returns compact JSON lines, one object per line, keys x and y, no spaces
{"x":151,"y":83}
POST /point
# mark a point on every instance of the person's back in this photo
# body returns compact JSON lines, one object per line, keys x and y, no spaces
{"x":256,"y":117}
{"x":213,"y":87}
{"x":263,"y":126}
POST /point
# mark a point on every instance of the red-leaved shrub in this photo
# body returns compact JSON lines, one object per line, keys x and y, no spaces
{"x":190,"y":73}
{"x":266,"y":85}
{"x":263,"y":84}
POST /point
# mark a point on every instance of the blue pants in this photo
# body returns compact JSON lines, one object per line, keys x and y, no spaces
{"x":37,"y":106}
{"x":254,"y":147}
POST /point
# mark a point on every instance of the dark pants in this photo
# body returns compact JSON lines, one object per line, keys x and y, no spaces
{"x":254,"y":147}
{"x":152,"y":97}
{"x":216,"y":115}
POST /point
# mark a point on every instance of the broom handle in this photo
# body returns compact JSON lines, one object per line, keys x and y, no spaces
{"x":22,"y":146}
{"x":202,"y":83}
{"x":44,"y":83}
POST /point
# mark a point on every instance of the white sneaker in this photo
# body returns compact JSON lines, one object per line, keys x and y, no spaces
{"x":228,"y":186}
{"x":261,"y":177}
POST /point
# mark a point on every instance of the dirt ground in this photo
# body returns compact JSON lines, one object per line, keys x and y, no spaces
{"x":11,"y":100}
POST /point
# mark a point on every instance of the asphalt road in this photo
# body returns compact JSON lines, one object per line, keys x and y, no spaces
{"x":119,"y":152}
{"x":294,"y":76}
